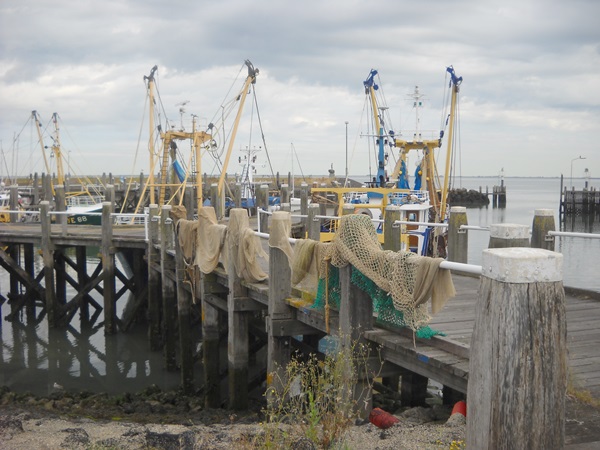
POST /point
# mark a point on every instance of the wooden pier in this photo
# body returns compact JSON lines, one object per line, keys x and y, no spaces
{"x":583,"y":203}
{"x":267,"y":314}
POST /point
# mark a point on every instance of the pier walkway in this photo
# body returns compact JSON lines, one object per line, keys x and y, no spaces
{"x":444,"y":359}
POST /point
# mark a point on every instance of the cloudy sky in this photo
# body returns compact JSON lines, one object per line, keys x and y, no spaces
{"x":529,"y":102}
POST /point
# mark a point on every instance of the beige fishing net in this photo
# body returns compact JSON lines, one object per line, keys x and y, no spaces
{"x":210,"y":239}
{"x":409,"y":279}
{"x":244,"y":247}
{"x":186,"y":232}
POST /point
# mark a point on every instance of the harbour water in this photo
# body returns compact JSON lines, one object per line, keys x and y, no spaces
{"x":38,"y":360}
{"x":523,"y":197}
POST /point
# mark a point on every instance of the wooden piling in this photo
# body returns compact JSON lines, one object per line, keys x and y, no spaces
{"x":356,"y":317}
{"x":458,"y":240}
{"x":184,"y":303}
{"x":518,"y":363}
{"x":279,"y":318}
{"x":108,"y":270}
{"x":504,"y":235}
{"x":169,"y":298}
{"x":237,"y":329}
{"x":47,"y":248}
{"x":543,"y":222}
{"x":154,"y":286}
{"x":211,"y":348}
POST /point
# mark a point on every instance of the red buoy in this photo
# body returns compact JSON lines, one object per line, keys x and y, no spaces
{"x":382,"y":419}
{"x":460,"y":408}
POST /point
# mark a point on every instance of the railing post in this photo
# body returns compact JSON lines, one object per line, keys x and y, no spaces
{"x":504,"y":235}
{"x":458,"y":240}
{"x":543,"y":222}
{"x":518,"y":362}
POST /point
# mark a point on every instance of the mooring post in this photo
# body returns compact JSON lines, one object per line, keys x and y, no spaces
{"x":518,"y":365}
{"x":237,"y":195}
{"x":14,"y":203}
{"x":215,"y":200}
{"x":262,"y":201}
{"x":169,"y":304}
{"x":280,"y":315}
{"x":211,"y":348}
{"x":109,"y":196}
{"x":184,"y":321}
{"x":313,"y":223}
{"x":48,"y":259}
{"x":543,"y":222}
{"x":304,"y":205}
{"x":189,"y":202}
{"x":392,"y":234}
{"x":61,"y":206}
{"x":285,"y":193}
{"x":237,"y":337}
{"x":505,"y":235}
{"x":356,"y":317}
{"x":458,"y":240}
{"x":108,"y":271}
{"x":154,"y":287}
{"x":347,"y":208}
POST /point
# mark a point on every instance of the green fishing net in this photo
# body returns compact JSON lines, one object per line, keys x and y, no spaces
{"x":329,"y":290}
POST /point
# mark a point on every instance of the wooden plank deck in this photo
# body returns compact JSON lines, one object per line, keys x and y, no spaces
{"x":583,"y":334}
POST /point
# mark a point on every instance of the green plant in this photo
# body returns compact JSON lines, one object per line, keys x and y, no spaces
{"x":317,"y":398}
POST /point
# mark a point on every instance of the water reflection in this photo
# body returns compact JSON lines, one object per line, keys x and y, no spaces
{"x":41,"y":360}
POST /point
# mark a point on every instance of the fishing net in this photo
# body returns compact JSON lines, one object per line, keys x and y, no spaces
{"x":400,"y":283}
{"x":244,"y":247}
{"x":210,"y":239}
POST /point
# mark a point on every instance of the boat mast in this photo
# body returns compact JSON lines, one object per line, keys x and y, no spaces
{"x":56,"y":151}
{"x":454,"y":83}
{"x":150,"y":79}
{"x":370,"y":88}
{"x":34,"y":116}
{"x":250,"y":79}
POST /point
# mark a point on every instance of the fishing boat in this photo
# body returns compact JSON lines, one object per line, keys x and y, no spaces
{"x":83,"y":207}
{"x":421,"y":204}
{"x":175,"y":170}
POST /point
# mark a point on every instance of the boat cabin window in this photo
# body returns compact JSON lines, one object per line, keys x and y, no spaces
{"x":412,"y":217}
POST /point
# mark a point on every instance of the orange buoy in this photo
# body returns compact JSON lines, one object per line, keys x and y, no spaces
{"x":382,"y":419}
{"x":460,"y":408}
